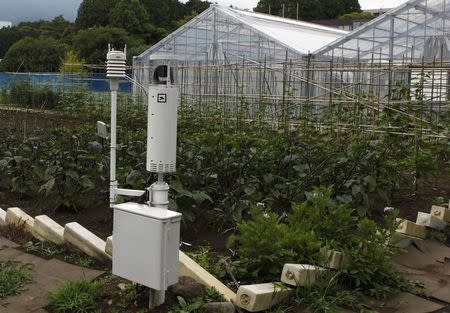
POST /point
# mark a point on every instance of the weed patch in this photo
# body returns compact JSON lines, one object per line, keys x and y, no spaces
{"x":13,"y":277}
{"x":80,"y":296}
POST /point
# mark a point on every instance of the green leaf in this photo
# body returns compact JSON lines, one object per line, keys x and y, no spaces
{"x":181,"y":301}
{"x":200,"y":196}
{"x":48,"y":186}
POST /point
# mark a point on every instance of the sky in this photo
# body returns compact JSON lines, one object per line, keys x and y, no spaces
{"x":32,"y":10}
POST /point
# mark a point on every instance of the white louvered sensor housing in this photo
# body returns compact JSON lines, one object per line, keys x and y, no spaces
{"x":116,"y":64}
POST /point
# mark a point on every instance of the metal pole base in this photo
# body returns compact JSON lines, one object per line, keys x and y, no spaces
{"x":156,"y":298}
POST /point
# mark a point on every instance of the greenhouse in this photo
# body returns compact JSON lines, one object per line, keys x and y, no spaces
{"x":224,"y":34}
{"x":401,"y":54}
{"x":275,"y":69}
{"x":415,"y":31}
{"x":227,"y":53}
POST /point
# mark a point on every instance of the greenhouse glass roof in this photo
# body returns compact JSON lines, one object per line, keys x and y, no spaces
{"x":223,"y":33}
{"x":416,"y":30}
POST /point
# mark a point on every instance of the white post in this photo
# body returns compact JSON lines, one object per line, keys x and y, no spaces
{"x":114,"y":86}
{"x":159,"y":197}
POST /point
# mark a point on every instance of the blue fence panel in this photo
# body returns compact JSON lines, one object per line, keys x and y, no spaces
{"x":95,"y":82}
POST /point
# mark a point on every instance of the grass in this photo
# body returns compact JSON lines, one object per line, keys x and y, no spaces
{"x":13,"y":276}
{"x":325,"y":295}
{"x":80,"y":260}
{"x":44,"y":248}
{"x":78,"y":296}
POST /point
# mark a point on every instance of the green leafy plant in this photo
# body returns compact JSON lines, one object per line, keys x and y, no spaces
{"x":13,"y":277}
{"x":213,"y":295}
{"x":210,"y":261}
{"x":78,"y":296}
{"x":183,"y":306}
{"x":268,"y":241}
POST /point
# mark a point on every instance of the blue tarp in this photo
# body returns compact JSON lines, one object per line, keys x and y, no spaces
{"x":95,"y":82}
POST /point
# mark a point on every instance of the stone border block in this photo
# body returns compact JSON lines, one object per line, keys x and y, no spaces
{"x":430,"y":221}
{"x":441,"y":213}
{"x":109,"y":245}
{"x":261,"y":297}
{"x":188,"y":267}
{"x":86,"y":241}
{"x":3,"y":217}
{"x":300,"y":274}
{"x":412,"y":229}
{"x":48,"y":229}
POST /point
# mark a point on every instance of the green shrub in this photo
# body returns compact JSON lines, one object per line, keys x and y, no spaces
{"x":267,"y":241}
{"x":26,"y":94}
{"x":79,"y":296}
{"x":265,"y":244}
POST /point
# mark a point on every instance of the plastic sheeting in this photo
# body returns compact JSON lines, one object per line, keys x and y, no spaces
{"x":228,"y":34}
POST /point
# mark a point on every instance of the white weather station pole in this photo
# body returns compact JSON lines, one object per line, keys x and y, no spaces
{"x":146,"y":235}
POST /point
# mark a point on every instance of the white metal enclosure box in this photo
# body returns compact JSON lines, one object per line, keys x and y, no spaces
{"x":146,"y":244}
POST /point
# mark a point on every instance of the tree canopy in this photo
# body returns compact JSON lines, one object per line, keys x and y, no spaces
{"x":309,"y":9}
{"x":94,"y":13}
{"x":137,"y":23}
{"x":34,"y":55}
{"x":92,"y":43}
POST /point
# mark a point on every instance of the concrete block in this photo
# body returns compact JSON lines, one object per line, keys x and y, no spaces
{"x":86,"y":241}
{"x":219,"y":307}
{"x":109,"y":245}
{"x":401,"y":240}
{"x":261,"y":297}
{"x":441,"y":212}
{"x":3,"y":217}
{"x":48,"y":229}
{"x":16,"y":216}
{"x":330,"y":258}
{"x":412,"y":229}
{"x":189,"y":267}
{"x":334,"y":259}
{"x":301,"y":274}
{"x":430,"y":221}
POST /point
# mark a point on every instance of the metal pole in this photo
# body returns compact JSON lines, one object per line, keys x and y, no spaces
{"x":114,"y":86}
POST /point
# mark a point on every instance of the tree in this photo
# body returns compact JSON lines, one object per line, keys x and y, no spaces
{"x":92,"y":43}
{"x":357,"y":16}
{"x":130,"y":15}
{"x":309,"y":9}
{"x":163,"y":13}
{"x":195,"y":6}
{"x":57,"y":28}
{"x":94,"y":13}
{"x":34,"y":55}
{"x":8,"y":36}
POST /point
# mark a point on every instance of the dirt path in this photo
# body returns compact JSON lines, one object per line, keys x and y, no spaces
{"x":47,"y":275}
